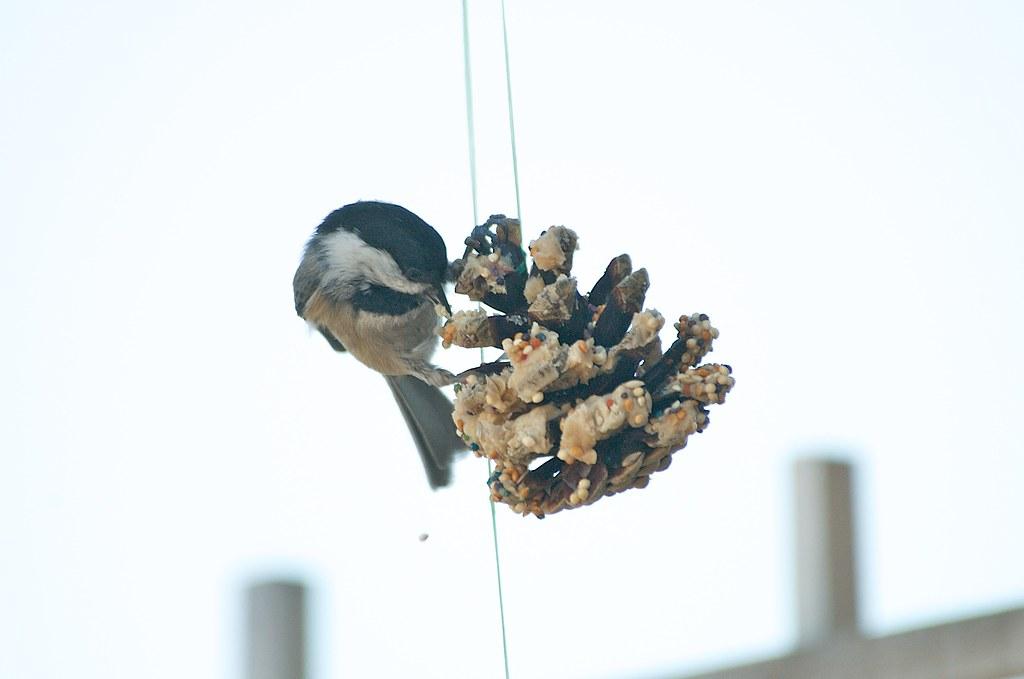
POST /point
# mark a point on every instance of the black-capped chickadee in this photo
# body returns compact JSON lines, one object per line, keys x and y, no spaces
{"x":371,"y":281}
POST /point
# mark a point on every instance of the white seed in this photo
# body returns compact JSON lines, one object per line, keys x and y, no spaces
{"x":538,"y":397}
{"x":631,"y":459}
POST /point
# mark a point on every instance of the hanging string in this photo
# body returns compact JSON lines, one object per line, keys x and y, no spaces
{"x":470,"y":126}
{"x":471,"y":132}
{"x":497,"y":568}
{"x":511,"y":118}
{"x":519,"y":215}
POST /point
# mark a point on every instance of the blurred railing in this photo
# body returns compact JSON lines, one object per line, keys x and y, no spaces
{"x":829,"y":644}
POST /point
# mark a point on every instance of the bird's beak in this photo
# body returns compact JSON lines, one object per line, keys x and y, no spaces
{"x":440,"y":301}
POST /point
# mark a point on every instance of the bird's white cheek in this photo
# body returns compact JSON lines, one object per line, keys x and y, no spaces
{"x":350,"y":260}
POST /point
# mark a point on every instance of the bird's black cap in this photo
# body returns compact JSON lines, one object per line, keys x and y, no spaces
{"x":415,"y":246}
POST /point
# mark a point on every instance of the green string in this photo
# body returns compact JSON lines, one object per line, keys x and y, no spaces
{"x":519,"y":215}
{"x":497,"y":568}
{"x":471,"y":131}
{"x":511,"y":118}
{"x":470,"y":126}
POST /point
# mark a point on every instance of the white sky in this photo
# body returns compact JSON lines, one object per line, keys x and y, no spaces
{"x":846,"y":186}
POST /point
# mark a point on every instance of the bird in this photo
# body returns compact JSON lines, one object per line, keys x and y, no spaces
{"x":371,"y":281}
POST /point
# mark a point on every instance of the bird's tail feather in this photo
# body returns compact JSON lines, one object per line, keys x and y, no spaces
{"x":428,"y":413}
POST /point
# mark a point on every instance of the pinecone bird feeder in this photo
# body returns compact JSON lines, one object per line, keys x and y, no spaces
{"x":585,"y":404}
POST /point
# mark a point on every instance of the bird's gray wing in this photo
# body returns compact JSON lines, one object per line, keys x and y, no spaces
{"x":331,"y":339}
{"x":307,"y":278}
{"x":305,"y":283}
{"x":428,"y":413}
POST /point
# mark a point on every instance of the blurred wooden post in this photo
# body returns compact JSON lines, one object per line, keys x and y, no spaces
{"x":829,"y":644}
{"x":826,"y":569}
{"x":276,"y":641}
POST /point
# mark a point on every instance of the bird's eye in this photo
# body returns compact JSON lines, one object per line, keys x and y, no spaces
{"x":418,"y":275}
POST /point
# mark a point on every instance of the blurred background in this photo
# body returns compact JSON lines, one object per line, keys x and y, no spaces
{"x":838,"y":187}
